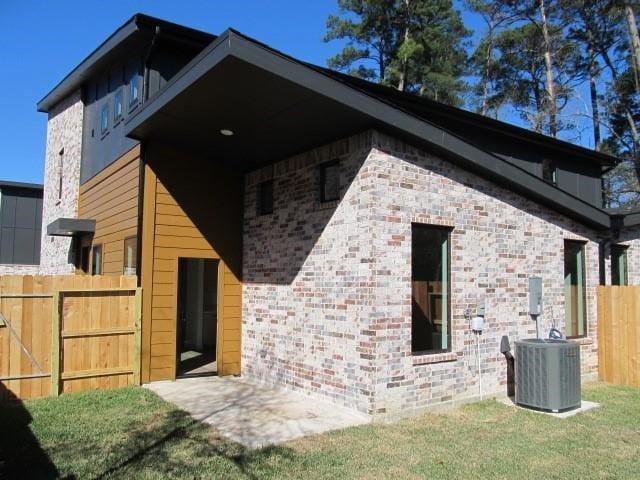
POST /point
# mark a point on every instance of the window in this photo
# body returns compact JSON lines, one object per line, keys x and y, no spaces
{"x":134,"y":94}
{"x":549,"y":171}
{"x":117,"y":106}
{"x":60,"y":167}
{"x":329,"y":181}
{"x":430,"y":319}
{"x":265,"y":198}
{"x":130,"y":255}
{"x":96,"y":260}
{"x":619,"y":273}
{"x":574,"y":289}
{"x":104,"y":119}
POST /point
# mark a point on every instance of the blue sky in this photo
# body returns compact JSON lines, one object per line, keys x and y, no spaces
{"x":42,"y":41}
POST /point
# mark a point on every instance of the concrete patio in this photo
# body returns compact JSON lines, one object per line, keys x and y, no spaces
{"x":255,"y":415}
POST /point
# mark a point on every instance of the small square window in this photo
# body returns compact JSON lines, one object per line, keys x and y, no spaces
{"x":134,"y":93}
{"x":117,"y":106}
{"x":329,"y":182}
{"x":265,"y":198}
{"x":104,"y":119}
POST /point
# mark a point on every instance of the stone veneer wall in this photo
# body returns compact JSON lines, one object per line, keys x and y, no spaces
{"x":15,"y":269}
{"x":64,"y":133}
{"x":327,"y":287}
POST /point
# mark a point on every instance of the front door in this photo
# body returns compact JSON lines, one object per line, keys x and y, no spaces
{"x":197,"y":317}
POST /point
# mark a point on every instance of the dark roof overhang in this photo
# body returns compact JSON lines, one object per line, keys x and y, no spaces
{"x":278,"y":106}
{"x":138,"y":30}
{"x":68,"y":227}
{"x":30,"y":186}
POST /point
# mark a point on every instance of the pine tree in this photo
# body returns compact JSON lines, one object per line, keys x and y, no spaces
{"x":412,"y":45}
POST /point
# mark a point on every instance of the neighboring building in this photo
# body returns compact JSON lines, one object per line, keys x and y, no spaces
{"x":310,"y":229}
{"x":20,"y":224}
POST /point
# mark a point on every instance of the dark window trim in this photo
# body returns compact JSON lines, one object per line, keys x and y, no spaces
{"x":104,"y":128}
{"x":323,"y":177}
{"x":585,"y":323}
{"x":618,"y":249}
{"x":552,"y":169}
{"x":97,"y":246}
{"x":124,"y":254}
{"x":449,"y":348}
{"x":134,"y":80}
{"x":118,"y":117}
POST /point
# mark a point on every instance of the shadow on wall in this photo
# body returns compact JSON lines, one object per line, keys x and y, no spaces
{"x":21,"y":455}
{"x":210,"y":193}
{"x":280,"y":243}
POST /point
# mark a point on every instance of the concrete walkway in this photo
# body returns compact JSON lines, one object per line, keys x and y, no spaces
{"x":255,"y":415}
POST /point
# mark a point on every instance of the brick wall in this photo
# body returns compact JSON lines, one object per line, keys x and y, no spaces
{"x":327,"y":287}
{"x":64,"y":140}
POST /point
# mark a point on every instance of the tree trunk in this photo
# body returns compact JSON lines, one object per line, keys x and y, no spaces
{"x":548,"y":64}
{"x":487,"y":67}
{"x":405,"y":61}
{"x":634,"y":41}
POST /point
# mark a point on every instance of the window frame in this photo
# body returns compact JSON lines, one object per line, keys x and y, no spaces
{"x":104,"y":119}
{"x":124,"y":255}
{"x":549,"y":171}
{"x":117,"y":117}
{"x":323,"y":179}
{"x":580,"y":271}
{"x":261,"y":208}
{"x":134,"y":83}
{"x":619,"y":252}
{"x":94,"y":248}
{"x":446,"y":302}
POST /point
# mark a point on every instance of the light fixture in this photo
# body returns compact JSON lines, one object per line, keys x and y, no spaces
{"x":226,"y":132}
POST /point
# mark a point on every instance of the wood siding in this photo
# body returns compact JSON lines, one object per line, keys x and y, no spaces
{"x":185,"y":216}
{"x":111,"y":198}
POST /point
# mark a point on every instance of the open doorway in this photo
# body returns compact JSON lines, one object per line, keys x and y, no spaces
{"x":197,"y":316}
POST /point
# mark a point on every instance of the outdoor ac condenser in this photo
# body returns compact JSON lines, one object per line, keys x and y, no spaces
{"x":548,"y":374}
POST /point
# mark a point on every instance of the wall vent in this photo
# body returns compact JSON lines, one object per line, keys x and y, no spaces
{"x":548,"y":374}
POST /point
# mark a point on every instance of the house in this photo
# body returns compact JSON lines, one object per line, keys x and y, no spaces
{"x":20,"y":224}
{"x":309,"y":229}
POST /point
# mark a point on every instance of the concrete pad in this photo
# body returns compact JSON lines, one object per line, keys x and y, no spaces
{"x":584,"y":407}
{"x":253,"y":414}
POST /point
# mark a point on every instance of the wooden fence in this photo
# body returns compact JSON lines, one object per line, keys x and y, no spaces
{"x":619,"y":335}
{"x":68,"y":334}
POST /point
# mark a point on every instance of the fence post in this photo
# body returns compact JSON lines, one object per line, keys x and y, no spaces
{"x":55,"y":344}
{"x":137,"y":337}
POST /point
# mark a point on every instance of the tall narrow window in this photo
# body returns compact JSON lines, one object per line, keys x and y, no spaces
{"x":104,"y":119}
{"x":117,"y":106}
{"x":619,"y":273}
{"x":430,"y":319}
{"x":96,"y":260}
{"x":60,"y":170}
{"x":574,"y":289}
{"x":265,"y":198}
{"x":130,"y":255}
{"x":329,"y":181}
{"x":134,"y":91}
{"x":549,"y":171}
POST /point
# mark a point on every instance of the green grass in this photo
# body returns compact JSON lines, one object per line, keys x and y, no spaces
{"x":131,"y":433}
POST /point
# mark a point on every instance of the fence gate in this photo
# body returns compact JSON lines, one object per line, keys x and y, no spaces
{"x":619,"y":335}
{"x":67,"y":334}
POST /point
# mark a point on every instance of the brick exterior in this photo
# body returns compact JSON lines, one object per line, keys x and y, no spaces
{"x":64,"y":133}
{"x":327,"y":287}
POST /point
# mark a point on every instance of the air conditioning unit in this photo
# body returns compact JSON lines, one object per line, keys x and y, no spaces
{"x":548,"y":374}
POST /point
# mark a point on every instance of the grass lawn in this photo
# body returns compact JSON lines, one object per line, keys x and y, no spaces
{"x":131,"y":433}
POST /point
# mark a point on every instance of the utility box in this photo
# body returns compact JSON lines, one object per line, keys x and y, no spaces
{"x":535,"y":296}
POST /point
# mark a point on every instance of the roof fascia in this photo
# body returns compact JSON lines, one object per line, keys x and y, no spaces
{"x":231,"y":43}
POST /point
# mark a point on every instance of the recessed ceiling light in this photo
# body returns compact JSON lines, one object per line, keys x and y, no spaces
{"x":226,"y":132}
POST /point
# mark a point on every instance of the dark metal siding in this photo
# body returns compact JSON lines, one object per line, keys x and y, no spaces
{"x":20,"y":226}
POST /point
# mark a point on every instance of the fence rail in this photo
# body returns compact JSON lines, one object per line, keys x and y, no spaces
{"x":619,"y":335}
{"x":68,"y":333}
